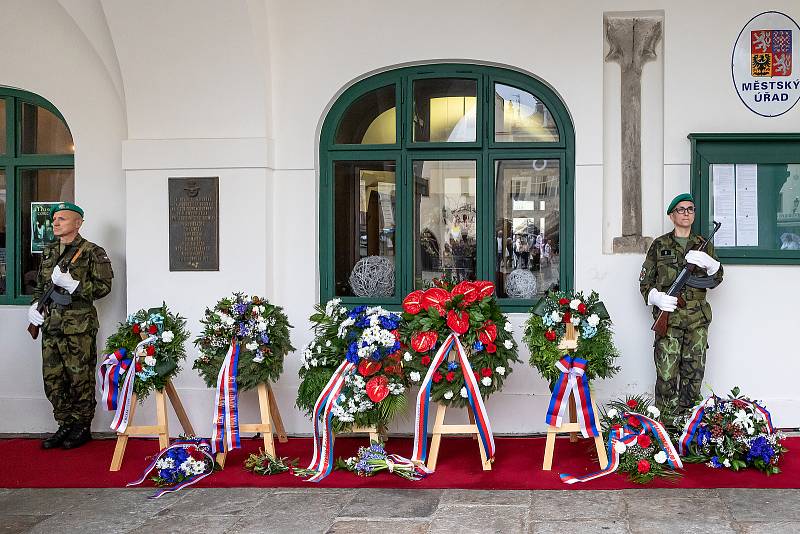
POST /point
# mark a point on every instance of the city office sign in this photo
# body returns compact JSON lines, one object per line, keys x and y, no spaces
{"x":766,"y":64}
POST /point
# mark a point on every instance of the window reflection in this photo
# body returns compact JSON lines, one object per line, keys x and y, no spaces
{"x":3,"y":134}
{"x":370,"y":120}
{"x":42,"y":132}
{"x":520,"y":117}
{"x":445,"y":110}
{"x":527,"y":232}
{"x":3,"y":232}
{"x":445,"y":223}
{"x":787,"y":219}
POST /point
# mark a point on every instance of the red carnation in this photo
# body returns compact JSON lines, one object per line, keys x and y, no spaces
{"x":633,"y":421}
{"x":643,"y":441}
{"x":643,"y":466}
{"x":426,"y":360}
{"x":563,"y":301}
{"x":396,"y":334}
{"x":136,"y":329}
{"x":581,"y":308}
{"x":437,"y":377}
{"x":632,"y":403}
{"x":550,"y":335}
{"x":567,"y":318}
{"x":153,"y":329}
{"x":491,"y":348}
{"x":151,"y":350}
{"x":138,"y":366}
{"x":450,"y":376}
{"x":486,"y":372}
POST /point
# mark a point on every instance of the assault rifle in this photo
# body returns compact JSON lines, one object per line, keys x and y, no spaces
{"x":50,"y":295}
{"x":684,"y":278}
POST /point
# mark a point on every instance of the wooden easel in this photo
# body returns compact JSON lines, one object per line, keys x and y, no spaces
{"x":161,"y":428}
{"x":271,"y":423}
{"x":569,"y":343}
{"x":374,"y":435}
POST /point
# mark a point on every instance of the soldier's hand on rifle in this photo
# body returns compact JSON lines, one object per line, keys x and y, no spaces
{"x":64,"y":280}
{"x":663,"y":301}
{"x":34,"y":317}
{"x":703,"y":260}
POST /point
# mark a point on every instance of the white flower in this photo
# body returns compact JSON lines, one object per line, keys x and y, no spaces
{"x":654,"y":411}
{"x":575,"y":320}
{"x":612,"y":413}
{"x":574,"y":303}
{"x":508,"y":344}
{"x":261,"y":326}
{"x":448,"y":395}
{"x":660,"y":457}
{"x":463,"y":392}
{"x":414,"y":376}
{"x":328,"y":343}
{"x":726,"y":462}
{"x":508,"y":327}
{"x":486,"y":381}
{"x":500,"y":370}
{"x":150,"y":361}
{"x":407,"y":356}
{"x":593,"y":320}
{"x":167,"y":336}
{"x":620,"y":447}
{"x":251,"y":346}
{"x":555,"y":316}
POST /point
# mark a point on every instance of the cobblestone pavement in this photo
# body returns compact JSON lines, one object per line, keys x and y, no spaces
{"x":400,"y":511}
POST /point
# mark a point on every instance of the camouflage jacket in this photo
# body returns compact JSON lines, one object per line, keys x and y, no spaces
{"x":664,"y":261}
{"x":92,"y":269}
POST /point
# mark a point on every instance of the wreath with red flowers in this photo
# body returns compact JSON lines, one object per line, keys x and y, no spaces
{"x":470,"y":310}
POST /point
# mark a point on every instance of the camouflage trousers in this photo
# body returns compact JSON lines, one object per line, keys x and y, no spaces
{"x":680,"y":358}
{"x":68,"y":369}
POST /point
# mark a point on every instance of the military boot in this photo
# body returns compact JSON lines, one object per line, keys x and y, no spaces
{"x":58,"y":438}
{"x":78,"y":436}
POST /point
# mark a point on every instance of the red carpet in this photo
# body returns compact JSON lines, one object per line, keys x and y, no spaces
{"x":518,"y":466}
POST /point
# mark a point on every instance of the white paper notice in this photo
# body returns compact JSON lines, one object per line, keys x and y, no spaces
{"x":723,"y":180}
{"x":747,"y":205}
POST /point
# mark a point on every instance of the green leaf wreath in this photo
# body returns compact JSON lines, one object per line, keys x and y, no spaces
{"x":428,"y":319}
{"x":159,"y":360}
{"x":262,"y":331}
{"x":547,"y":325}
{"x":375,"y":392}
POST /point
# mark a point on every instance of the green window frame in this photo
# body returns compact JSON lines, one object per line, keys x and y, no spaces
{"x":13,"y":162}
{"x":743,"y":148}
{"x":484,"y":150}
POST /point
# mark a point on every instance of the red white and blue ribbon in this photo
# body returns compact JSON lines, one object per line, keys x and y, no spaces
{"x":696,"y":417}
{"x":572,"y":381}
{"x":420,"y":452}
{"x":322,"y":461}
{"x":115,"y":396}
{"x":418,"y":472}
{"x":225,"y":426}
{"x":202,"y":445}
{"x":628,"y":436}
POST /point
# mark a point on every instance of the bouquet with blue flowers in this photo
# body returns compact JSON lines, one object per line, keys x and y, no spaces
{"x":187,"y":461}
{"x":374,"y":459}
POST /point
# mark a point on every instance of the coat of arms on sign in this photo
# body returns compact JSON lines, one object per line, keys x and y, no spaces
{"x":771,"y":53}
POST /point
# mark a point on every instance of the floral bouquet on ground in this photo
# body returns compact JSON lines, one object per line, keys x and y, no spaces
{"x":469,"y":310}
{"x":639,"y":439}
{"x":261,"y":331}
{"x":735,"y":433}
{"x":374,"y":388}
{"x":548,"y":323}
{"x":373,"y":459}
{"x":187,"y":461}
{"x":151,"y":342}
{"x":264,"y":463}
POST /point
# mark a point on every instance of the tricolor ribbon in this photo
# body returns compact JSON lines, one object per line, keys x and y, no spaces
{"x":115,"y":396}
{"x":418,"y":472}
{"x":628,"y":435}
{"x":225,"y":426}
{"x":322,"y":461}
{"x":572,"y":381}
{"x":420,"y":452}
{"x":696,"y":417}
{"x":201,"y":444}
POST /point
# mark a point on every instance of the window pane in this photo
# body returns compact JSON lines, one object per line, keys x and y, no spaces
{"x":445,"y":226}
{"x":364,"y":228}
{"x":445,"y":110}
{"x":44,"y":133}
{"x":3,"y":232}
{"x":520,"y":117}
{"x":40,"y":186}
{"x":3,"y":133}
{"x":526,"y":227}
{"x":370,"y":120}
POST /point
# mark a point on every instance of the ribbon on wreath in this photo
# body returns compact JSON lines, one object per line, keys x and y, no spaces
{"x":420,"y":452}
{"x":629,"y":435}
{"x":115,"y":396}
{"x":322,"y":461}
{"x":202,"y":445}
{"x":572,"y":381}
{"x":225,"y":426}
{"x":696,"y":417}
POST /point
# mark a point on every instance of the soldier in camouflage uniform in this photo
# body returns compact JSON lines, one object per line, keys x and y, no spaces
{"x":680,"y":355}
{"x":69,"y":345}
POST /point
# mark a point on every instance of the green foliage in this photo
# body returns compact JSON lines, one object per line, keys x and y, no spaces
{"x":266,"y":464}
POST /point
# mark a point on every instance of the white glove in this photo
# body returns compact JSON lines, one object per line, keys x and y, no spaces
{"x":701,"y":259}
{"x":64,"y":280}
{"x":34,"y":317}
{"x":663,"y":301}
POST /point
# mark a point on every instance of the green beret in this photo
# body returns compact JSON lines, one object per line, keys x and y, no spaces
{"x":679,"y":198}
{"x":68,"y":206}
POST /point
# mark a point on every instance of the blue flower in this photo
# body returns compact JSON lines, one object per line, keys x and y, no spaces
{"x":760,"y":448}
{"x":478,"y":346}
{"x":240,"y":308}
{"x":389,"y":323}
{"x":376,"y":355}
{"x":244,"y":330}
{"x":264,"y":338}
{"x":715,"y":462}
{"x":452,"y":366}
{"x":396,"y":346}
{"x":703,"y":435}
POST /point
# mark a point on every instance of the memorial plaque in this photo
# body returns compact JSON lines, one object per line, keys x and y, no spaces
{"x":194,"y":224}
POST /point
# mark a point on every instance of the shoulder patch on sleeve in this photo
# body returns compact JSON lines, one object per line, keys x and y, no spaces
{"x":642,"y":274}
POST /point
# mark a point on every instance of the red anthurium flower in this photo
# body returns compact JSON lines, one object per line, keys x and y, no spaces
{"x":631,"y":403}
{"x":581,"y":308}
{"x":394,"y":369}
{"x":136,"y":329}
{"x":567,"y":318}
{"x":450,"y":376}
{"x":424,"y":341}
{"x":458,"y":322}
{"x":368,"y":367}
{"x":485,"y":288}
{"x":426,"y":360}
{"x":437,"y":377}
{"x":550,"y":335}
{"x":486,"y":372}
{"x":563,"y":301}
{"x":153,"y":329}
{"x":491,"y":348}
{"x":488,"y":333}
{"x":467,"y":289}
{"x":150,"y":350}
{"x":435,"y":297}
{"x":643,"y":466}
{"x":633,"y":421}
{"x":377,"y":388}
{"x":643,"y":441}
{"x":411,"y":304}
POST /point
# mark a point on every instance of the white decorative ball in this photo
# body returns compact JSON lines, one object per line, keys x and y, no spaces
{"x":373,"y":276}
{"x":521,"y":284}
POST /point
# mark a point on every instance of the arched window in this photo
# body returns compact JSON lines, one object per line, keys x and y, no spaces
{"x":37,"y":168}
{"x":463,"y":171}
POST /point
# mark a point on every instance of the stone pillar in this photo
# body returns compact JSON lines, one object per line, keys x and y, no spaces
{"x":632,"y":41}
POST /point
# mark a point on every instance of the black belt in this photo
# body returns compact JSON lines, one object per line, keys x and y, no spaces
{"x":72,"y":306}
